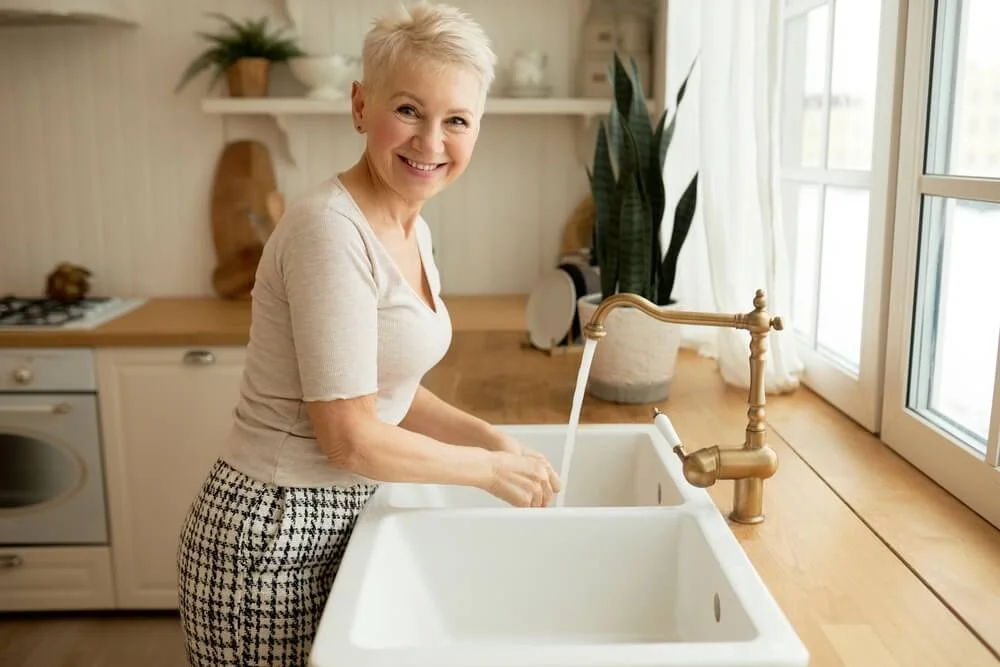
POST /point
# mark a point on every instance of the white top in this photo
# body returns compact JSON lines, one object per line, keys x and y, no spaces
{"x":332,"y":317}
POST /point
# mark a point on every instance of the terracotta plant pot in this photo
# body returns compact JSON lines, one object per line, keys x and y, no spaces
{"x":248,"y":77}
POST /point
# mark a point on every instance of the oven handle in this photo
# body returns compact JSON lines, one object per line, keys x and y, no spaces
{"x":60,"y":408}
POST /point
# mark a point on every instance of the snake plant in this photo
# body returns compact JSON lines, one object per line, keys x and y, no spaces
{"x":629,"y":199}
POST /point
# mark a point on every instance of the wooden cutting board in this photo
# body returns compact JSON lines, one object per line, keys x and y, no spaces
{"x":244,"y":182}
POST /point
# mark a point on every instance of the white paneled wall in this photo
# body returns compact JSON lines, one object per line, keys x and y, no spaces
{"x":103,"y":165}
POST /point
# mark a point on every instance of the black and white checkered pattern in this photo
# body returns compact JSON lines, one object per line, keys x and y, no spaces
{"x":256,"y":563}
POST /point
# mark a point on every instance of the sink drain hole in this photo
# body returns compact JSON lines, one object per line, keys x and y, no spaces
{"x":659,"y":493}
{"x":717,"y":607}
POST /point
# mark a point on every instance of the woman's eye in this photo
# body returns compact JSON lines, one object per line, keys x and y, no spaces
{"x":406,"y":110}
{"x":459,"y":121}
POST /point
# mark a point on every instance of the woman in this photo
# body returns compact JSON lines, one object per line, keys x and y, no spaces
{"x":346,"y":321}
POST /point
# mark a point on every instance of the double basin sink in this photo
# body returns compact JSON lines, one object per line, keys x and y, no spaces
{"x":636,"y":568}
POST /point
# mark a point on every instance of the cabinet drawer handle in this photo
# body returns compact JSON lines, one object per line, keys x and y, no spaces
{"x":199,"y":358}
{"x":10,"y":560}
{"x":60,"y":408}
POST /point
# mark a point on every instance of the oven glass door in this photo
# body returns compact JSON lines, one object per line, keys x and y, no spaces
{"x":51,"y":478}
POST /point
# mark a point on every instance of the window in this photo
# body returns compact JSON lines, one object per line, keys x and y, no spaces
{"x":836,"y":112}
{"x":830,"y":69}
{"x":942,"y":404}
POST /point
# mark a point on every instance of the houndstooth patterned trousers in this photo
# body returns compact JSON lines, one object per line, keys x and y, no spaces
{"x":256,"y":563}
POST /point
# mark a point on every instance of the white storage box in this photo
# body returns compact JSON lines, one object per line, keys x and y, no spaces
{"x":599,"y":35}
{"x":593,"y":74}
{"x":634,"y":35}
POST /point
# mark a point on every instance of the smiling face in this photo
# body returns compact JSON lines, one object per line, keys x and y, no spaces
{"x":421,"y":124}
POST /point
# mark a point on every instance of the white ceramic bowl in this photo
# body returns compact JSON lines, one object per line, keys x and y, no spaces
{"x":327,"y":77}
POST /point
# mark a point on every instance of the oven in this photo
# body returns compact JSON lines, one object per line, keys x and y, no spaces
{"x":51,"y":468}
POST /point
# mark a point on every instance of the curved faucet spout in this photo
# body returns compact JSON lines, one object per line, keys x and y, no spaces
{"x":756,"y":321}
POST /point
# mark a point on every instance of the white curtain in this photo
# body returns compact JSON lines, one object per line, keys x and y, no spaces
{"x":727,"y":129}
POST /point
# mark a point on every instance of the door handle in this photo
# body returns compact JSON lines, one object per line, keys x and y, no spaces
{"x":199,"y":358}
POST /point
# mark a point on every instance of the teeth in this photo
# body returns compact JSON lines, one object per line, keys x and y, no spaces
{"x":419,"y":165}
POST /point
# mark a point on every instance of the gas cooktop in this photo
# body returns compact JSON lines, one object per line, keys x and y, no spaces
{"x":44,"y":313}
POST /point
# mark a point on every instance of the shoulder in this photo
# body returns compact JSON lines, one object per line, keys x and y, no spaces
{"x":322,"y":239}
{"x":326,"y":210}
{"x":322,"y":220}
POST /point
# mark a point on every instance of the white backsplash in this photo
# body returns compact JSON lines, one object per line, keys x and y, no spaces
{"x":101,"y":164}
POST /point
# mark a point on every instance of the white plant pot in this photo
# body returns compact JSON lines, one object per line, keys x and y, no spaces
{"x":635,"y":361}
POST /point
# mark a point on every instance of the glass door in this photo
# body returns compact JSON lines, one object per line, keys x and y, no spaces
{"x":942,"y":399}
{"x":840,"y":59}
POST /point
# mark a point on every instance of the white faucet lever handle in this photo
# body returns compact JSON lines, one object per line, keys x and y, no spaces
{"x":666,"y":428}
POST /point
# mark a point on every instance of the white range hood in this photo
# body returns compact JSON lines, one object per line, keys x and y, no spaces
{"x":66,"y":12}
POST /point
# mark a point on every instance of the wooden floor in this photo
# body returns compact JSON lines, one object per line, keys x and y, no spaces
{"x":873,"y":564}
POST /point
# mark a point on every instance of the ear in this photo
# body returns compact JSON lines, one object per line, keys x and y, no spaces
{"x":358,"y":106}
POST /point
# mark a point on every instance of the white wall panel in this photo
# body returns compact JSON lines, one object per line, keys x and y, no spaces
{"x":103,"y":165}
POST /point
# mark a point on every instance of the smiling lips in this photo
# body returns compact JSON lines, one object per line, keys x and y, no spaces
{"x":422,"y":167}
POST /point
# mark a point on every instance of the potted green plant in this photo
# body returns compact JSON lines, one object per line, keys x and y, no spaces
{"x":635,"y":361}
{"x":243,"y":53}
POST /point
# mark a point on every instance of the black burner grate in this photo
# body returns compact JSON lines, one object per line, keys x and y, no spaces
{"x":43,"y":312}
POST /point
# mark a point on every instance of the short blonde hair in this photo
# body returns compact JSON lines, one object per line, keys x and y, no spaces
{"x":433,"y":33}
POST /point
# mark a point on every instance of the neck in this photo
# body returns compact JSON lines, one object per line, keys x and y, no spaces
{"x":381,"y":204}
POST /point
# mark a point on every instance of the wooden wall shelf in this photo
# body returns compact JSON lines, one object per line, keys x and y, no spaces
{"x":280,"y":106}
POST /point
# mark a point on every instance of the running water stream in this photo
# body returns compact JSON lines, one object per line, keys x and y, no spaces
{"x":574,"y":417}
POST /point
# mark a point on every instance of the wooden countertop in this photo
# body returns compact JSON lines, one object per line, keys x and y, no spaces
{"x":872,"y":563}
{"x":212,"y":321}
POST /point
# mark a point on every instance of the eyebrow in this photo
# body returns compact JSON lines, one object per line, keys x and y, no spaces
{"x":406,"y":93}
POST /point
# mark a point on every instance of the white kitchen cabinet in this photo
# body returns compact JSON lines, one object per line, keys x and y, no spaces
{"x":55,"y":578}
{"x":165,"y":412}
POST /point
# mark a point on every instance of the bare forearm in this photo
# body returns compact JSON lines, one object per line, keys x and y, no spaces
{"x":438,"y":419}
{"x":392,"y":454}
{"x":354,"y":439}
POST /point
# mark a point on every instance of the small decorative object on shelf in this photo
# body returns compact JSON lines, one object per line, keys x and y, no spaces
{"x":243,"y":54}
{"x":528,"y":76}
{"x":327,"y":77}
{"x":67,"y":282}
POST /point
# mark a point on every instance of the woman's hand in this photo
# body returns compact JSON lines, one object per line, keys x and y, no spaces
{"x":523,"y":480}
{"x":504,"y":442}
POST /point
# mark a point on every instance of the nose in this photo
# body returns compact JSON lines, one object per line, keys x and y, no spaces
{"x":429,"y":139}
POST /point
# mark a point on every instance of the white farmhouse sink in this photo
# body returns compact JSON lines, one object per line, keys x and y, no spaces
{"x":638,"y":568}
{"x":654,"y":586}
{"x":613,"y":466}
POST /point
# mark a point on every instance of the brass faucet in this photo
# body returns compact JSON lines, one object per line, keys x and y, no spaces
{"x":755,"y":461}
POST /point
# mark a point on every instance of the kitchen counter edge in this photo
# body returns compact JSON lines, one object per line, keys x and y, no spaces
{"x":186,"y":321}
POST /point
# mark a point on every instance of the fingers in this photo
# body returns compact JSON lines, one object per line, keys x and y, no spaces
{"x":548,"y":478}
{"x":544,"y":476}
{"x":546,"y":492}
{"x":554,"y":481}
{"x":551,"y":476}
{"x":527,"y":480}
